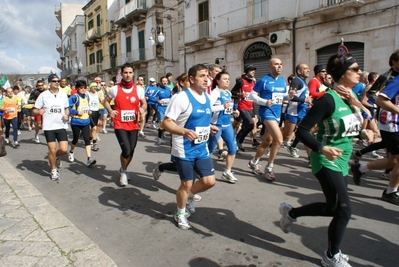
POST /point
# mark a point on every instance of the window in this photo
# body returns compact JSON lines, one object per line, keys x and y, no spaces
{"x":259,"y":8}
{"x":98,"y":20}
{"x":203,"y":11}
{"x":92,"y":60}
{"x":99,"y":56}
{"x":128,"y":44}
{"x":141,"y":45}
{"x":112,"y":55}
{"x":90,"y":25}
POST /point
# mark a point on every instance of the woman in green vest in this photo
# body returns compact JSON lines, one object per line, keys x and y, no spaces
{"x":338,"y":117}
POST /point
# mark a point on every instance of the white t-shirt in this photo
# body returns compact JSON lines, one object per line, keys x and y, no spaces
{"x":113,"y":91}
{"x":54,"y":106}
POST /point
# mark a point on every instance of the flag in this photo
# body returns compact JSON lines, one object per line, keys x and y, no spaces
{"x":4,"y":82}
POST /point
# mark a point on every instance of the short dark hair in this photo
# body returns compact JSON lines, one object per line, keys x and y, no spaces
{"x":394,"y":57}
{"x":80,"y":83}
{"x":168,"y":74}
{"x":213,"y":66}
{"x":338,"y":64}
{"x":194,"y":69}
{"x":372,"y":76}
{"x":217,"y":78}
{"x":15,"y":87}
{"x":126,"y":65}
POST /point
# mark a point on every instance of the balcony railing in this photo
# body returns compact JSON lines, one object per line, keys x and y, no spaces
{"x":57,"y":13}
{"x":70,"y":49}
{"x":200,"y":31}
{"x":58,"y":30}
{"x":60,"y":65}
{"x":134,"y":8}
{"x":58,"y":47}
{"x":326,"y":7}
{"x":326,"y":3}
{"x":94,"y":68}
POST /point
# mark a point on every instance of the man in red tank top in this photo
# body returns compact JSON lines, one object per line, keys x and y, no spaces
{"x":129,"y":104}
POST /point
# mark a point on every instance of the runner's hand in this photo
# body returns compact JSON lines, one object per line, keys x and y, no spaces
{"x":190,"y":135}
{"x":331,"y":153}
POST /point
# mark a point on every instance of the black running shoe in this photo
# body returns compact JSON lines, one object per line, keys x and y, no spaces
{"x":391,"y":198}
{"x":356,"y":174}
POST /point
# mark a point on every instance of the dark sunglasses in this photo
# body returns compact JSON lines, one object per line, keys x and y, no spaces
{"x":354,"y":69}
{"x":55,"y":81}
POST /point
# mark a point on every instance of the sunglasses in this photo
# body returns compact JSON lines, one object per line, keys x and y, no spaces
{"x":354,"y":69}
{"x":55,"y":81}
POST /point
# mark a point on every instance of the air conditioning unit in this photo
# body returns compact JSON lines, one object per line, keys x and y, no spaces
{"x":279,"y":38}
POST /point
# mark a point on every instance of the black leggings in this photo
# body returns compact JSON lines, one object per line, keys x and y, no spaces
{"x":127,"y":141}
{"x":372,"y":147}
{"x":150,"y":108}
{"x":247,"y":125}
{"x":85,"y":132}
{"x":337,"y":205}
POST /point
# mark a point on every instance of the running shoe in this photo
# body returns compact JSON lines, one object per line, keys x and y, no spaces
{"x":58,"y":162}
{"x":182,"y":221}
{"x":286,"y":220}
{"x":222,"y":154}
{"x":19,"y":132}
{"x":355,"y":157}
{"x":159,"y":141}
{"x":286,"y":144}
{"x":336,"y":261}
{"x":374,"y":155}
{"x":37,"y":139}
{"x":7,"y":140}
{"x":123,"y":178}
{"x":55,"y":175}
{"x":90,"y":162}
{"x":197,"y":198}
{"x":229,"y":177}
{"x":270,"y":174}
{"x":256,"y":168}
{"x":71,"y":157}
{"x":30,"y":129}
{"x":293,"y":151}
{"x":156,"y":173}
{"x":190,"y":206}
{"x":385,"y":176}
{"x":95,"y":147}
{"x":356,"y":174}
{"x":16,"y":143}
{"x":104,"y":131}
{"x":240,"y":147}
{"x":391,"y":198}
{"x":141,"y":134}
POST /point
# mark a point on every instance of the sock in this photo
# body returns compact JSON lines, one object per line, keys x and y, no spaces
{"x":227,"y":171}
{"x":391,"y":190}
{"x":94,"y":141}
{"x":181,"y":211}
{"x":363,"y":168}
{"x":255,"y":161}
{"x":270,"y":165}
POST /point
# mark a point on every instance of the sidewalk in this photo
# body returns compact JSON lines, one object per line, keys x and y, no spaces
{"x":34,"y":233}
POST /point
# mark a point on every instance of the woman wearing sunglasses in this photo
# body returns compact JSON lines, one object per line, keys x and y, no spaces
{"x":337,"y":114}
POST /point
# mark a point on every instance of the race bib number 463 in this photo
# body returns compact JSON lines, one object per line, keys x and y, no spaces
{"x":55,"y":109}
{"x":203,"y":133}
{"x":128,"y":115}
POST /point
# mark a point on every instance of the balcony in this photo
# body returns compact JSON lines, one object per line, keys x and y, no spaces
{"x":93,"y":69}
{"x":198,"y":34}
{"x":58,"y":47}
{"x":329,"y":7}
{"x":66,"y":72}
{"x":57,"y":13}
{"x":91,"y":36}
{"x":112,"y":63}
{"x":254,"y":18}
{"x":60,"y":64}
{"x":133,"y":11}
{"x":58,"y":30}
{"x":70,"y":49}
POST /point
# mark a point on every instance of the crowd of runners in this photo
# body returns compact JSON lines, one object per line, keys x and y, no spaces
{"x":207,"y":116}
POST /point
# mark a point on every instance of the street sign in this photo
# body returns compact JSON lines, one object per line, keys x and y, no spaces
{"x":342,"y":49}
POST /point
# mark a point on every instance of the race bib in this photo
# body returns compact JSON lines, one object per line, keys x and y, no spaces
{"x":85,"y":109}
{"x":55,"y":109}
{"x":128,"y":115}
{"x":203,"y":133}
{"x":165,"y":101}
{"x":247,"y":98}
{"x":352,"y":124}
{"x":10,"y":110}
{"x":94,"y":104}
{"x":229,"y":110}
{"x":278,"y":98}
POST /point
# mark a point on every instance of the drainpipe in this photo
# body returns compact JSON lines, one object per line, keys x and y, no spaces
{"x":293,"y":46}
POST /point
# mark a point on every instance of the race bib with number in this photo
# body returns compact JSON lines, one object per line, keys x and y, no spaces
{"x":10,"y":110}
{"x":55,"y":109}
{"x":247,"y":98}
{"x":94,"y":104}
{"x":352,"y":124}
{"x":85,"y":109}
{"x":165,"y":101}
{"x":128,"y":115}
{"x":203,"y":133}
{"x":278,"y":98}
{"x":229,"y":110}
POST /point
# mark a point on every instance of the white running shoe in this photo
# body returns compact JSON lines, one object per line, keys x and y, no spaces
{"x":104,"y":131}
{"x":159,"y":141}
{"x":374,"y":155}
{"x":270,"y":174}
{"x":229,"y":177}
{"x":58,"y":162}
{"x":90,"y":162}
{"x":190,"y":206}
{"x":16,"y":143}
{"x":256,"y":168}
{"x":123,"y":179}
{"x":286,"y":220}
{"x":6,"y":140}
{"x":37,"y":139}
{"x":293,"y":151}
{"x":141,"y":134}
{"x":71,"y":157}
{"x":182,"y":221}
{"x":19,"y":132}
{"x":156,"y":173}
{"x":197,"y":198}
{"x":55,"y":176}
{"x":336,"y":261}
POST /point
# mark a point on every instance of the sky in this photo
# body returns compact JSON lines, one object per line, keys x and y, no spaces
{"x":27,"y":36}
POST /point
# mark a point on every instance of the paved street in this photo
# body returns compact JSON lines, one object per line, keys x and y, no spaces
{"x":234,"y":225}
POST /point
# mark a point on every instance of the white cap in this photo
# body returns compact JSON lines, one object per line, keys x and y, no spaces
{"x":152,"y":79}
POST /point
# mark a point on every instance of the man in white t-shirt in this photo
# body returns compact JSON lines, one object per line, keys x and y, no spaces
{"x":53,"y":105}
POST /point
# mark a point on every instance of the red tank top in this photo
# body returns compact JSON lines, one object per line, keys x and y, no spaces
{"x":245,"y":103}
{"x":127,"y":105}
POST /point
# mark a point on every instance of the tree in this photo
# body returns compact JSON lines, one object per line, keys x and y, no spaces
{"x":3,"y":28}
{"x":15,"y":78}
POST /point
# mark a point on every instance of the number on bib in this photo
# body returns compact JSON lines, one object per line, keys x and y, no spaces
{"x":278,"y":98}
{"x":352,"y":124}
{"x":128,"y":115}
{"x":203,"y":133}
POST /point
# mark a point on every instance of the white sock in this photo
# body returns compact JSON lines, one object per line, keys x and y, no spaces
{"x":270,"y":165}
{"x":227,"y":171}
{"x":181,"y":211}
{"x":255,"y":161}
{"x":363,"y":168}
{"x":391,"y":190}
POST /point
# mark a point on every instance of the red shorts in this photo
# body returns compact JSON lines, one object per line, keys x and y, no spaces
{"x":38,"y":118}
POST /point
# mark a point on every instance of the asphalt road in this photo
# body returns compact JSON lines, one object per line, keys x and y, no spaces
{"x":234,"y":225}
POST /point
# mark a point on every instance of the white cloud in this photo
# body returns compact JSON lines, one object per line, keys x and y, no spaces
{"x":10,"y":65}
{"x":46,"y":69}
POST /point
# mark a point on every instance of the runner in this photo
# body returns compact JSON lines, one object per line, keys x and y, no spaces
{"x":163,"y":96}
{"x":95,"y":99}
{"x":53,"y":106}
{"x":9,"y":106}
{"x":32,"y":100}
{"x":129,"y":102}
{"x":339,"y":121}
{"x":140,"y":84}
{"x":188,"y":118}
